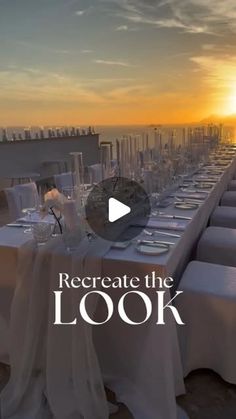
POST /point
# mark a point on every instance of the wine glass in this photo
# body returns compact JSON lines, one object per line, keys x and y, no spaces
{"x":29,"y":205}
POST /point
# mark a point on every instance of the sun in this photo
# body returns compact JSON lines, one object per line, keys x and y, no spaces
{"x":231,"y":103}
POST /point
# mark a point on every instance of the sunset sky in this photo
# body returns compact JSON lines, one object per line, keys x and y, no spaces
{"x":116,"y":61}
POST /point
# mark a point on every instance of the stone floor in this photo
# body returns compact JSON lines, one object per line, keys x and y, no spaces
{"x":208,"y":396}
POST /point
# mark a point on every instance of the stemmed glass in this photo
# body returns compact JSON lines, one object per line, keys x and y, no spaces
{"x":28,"y":207}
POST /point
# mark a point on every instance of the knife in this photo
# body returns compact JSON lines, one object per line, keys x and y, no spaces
{"x":189,"y":201}
{"x":153,"y":242}
{"x":174,"y":217}
{"x":163,"y":233}
{"x":19,"y":225}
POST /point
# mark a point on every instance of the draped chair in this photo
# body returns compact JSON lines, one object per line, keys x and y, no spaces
{"x":64,"y":181}
{"x":21,"y":196}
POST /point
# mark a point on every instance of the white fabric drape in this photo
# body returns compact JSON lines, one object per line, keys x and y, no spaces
{"x":54,"y":370}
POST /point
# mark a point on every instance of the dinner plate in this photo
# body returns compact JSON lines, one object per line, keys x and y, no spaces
{"x":152,"y":249}
{"x":207,"y":179}
{"x":190,"y":190}
{"x":204,"y":185}
{"x":223,"y":163}
{"x":186,"y":206}
{"x":215,"y":172}
{"x":188,"y":185}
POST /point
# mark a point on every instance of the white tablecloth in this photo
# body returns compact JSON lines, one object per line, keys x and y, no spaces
{"x":59,"y":364}
{"x":174,"y":262}
{"x":141,"y":364}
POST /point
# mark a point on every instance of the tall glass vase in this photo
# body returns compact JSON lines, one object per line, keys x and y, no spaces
{"x":106,"y":154}
{"x":77,"y":168}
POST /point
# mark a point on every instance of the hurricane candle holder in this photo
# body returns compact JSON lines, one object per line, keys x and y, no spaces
{"x":78,"y":176}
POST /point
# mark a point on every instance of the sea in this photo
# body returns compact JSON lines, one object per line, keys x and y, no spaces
{"x":109,"y":133}
{"x":176,"y":134}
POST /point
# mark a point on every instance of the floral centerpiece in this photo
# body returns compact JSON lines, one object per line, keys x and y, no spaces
{"x":54,"y":203}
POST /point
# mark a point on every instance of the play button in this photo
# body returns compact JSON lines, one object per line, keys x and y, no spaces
{"x":117,"y":210}
{"x":113,"y":208}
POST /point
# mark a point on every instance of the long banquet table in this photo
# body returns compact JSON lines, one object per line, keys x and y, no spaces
{"x":135,"y":361}
{"x":172,"y":263}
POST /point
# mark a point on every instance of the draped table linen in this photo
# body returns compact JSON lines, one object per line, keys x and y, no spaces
{"x":55,"y":371}
{"x":141,"y":364}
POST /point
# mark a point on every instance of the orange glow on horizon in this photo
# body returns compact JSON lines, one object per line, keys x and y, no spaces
{"x":175,"y":110}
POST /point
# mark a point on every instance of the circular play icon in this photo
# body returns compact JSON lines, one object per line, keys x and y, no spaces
{"x":117,"y":209}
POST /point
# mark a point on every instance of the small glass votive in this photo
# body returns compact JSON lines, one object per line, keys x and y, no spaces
{"x":42,"y":232}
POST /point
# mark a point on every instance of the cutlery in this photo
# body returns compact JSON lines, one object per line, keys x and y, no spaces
{"x":196,"y":190}
{"x":154,"y":242}
{"x":163,"y":233}
{"x":206,"y":179}
{"x":189,"y":200}
{"x":19,"y":225}
{"x":200,"y":198}
{"x":174,"y":217}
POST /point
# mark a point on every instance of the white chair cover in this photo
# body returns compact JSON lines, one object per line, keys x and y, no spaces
{"x":63,"y":181}
{"x":224,"y":217}
{"x":208,"y":308}
{"x":148,"y":180}
{"x":27,"y":195}
{"x":228,"y":199}
{"x":13,"y":203}
{"x":95,"y":172}
{"x":218,"y":245}
{"x":232,"y":185}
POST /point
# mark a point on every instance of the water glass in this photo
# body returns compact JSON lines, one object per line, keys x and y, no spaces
{"x":42,"y":232}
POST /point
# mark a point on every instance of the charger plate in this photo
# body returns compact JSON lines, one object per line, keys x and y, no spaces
{"x":204,"y":185}
{"x":186,"y":206}
{"x":152,"y":249}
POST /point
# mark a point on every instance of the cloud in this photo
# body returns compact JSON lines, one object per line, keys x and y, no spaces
{"x":80,"y":12}
{"x":218,"y":71}
{"x":167,"y":23}
{"x":86,"y":51}
{"x":213,"y":17}
{"x":126,"y":28}
{"x":122,"y":28}
{"x":113,"y":63}
{"x":51,"y":50}
{"x":43,"y":48}
{"x":33,"y":85}
{"x":208,"y":47}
